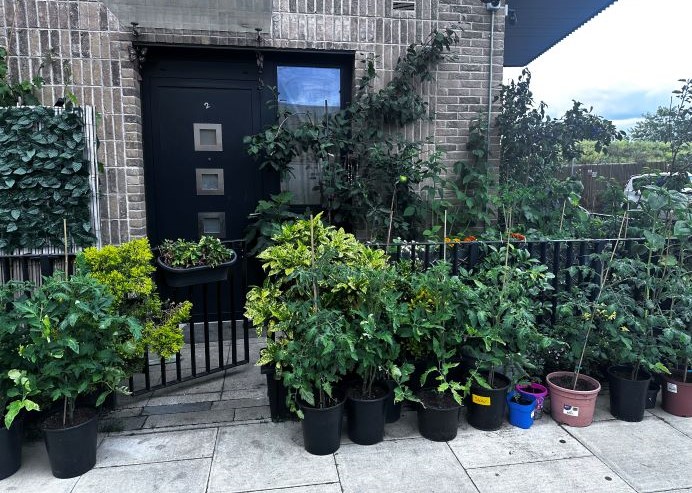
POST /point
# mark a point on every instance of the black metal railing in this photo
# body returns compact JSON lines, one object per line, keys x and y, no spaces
{"x":216,"y":337}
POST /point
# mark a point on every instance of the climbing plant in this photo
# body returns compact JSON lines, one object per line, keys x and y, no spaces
{"x":44,"y":178}
{"x":11,"y":93}
{"x":371,"y":175}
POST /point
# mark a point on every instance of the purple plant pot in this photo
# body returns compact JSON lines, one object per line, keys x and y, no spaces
{"x":536,"y":390}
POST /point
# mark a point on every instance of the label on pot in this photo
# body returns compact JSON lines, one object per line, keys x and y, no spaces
{"x":570,"y":410}
{"x":480,"y":400}
{"x":671,"y":387}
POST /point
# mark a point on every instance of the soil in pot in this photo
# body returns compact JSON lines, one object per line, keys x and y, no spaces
{"x":71,"y":450}
{"x":627,"y":396}
{"x":438,"y":417}
{"x":568,"y":406}
{"x":676,"y":395}
{"x":366,"y":414}
{"x":10,"y":449}
{"x":322,"y":428}
{"x":486,"y":407}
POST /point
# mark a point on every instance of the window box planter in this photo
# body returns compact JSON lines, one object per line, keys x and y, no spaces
{"x":178,"y":278}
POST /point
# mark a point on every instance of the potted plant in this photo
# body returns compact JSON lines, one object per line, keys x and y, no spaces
{"x":299,"y":245}
{"x":15,"y":389}
{"x":185,"y":263}
{"x":502,"y":309}
{"x":17,"y":383}
{"x":126,"y":271}
{"x":433,"y":323}
{"x":675,"y":295}
{"x":522,"y":409}
{"x":76,"y":341}
{"x":375,"y":318}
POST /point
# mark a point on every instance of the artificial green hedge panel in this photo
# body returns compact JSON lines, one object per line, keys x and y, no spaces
{"x":44,"y":177}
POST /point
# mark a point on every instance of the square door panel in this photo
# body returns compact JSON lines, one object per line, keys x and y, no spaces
{"x":209,"y":181}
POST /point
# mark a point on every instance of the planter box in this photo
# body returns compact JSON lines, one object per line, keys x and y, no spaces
{"x":178,"y":278}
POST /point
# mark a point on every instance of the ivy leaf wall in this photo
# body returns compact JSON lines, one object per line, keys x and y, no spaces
{"x":44,"y":178}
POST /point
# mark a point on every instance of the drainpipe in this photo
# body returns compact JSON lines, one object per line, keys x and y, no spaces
{"x":492,"y":7}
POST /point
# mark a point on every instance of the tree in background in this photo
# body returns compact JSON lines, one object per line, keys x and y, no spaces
{"x":533,"y":144}
{"x":673,"y":126}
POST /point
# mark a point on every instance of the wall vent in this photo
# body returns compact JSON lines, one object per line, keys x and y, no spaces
{"x":403,"y":6}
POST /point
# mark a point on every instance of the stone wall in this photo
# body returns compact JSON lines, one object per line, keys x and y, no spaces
{"x":80,"y":46}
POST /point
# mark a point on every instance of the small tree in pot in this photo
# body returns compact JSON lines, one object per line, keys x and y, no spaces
{"x":77,"y":342}
{"x":374,"y":322}
{"x":432,"y":318}
{"x":502,"y":307}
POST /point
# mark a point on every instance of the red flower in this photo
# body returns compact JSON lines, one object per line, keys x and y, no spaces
{"x":518,"y":236}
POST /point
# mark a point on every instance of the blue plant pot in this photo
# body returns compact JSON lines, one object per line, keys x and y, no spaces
{"x":521,"y":415}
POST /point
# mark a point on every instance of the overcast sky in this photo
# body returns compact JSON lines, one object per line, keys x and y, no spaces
{"x":624,"y":62}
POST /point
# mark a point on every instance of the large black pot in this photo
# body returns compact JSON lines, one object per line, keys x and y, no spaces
{"x":322,"y":428}
{"x":438,"y":422}
{"x":10,"y":448}
{"x":652,"y":394}
{"x":72,"y":450}
{"x":276,"y":392}
{"x":628,"y":397}
{"x":486,"y":407}
{"x":366,"y":418}
{"x":392,"y":410}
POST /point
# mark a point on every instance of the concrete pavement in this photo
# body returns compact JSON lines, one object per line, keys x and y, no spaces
{"x":215,"y":436}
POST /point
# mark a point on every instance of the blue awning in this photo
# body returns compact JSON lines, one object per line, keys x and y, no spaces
{"x":534,"y":26}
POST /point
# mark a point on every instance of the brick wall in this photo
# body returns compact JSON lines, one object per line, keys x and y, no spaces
{"x":84,"y":48}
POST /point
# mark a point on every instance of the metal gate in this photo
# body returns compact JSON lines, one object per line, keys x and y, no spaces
{"x":216,"y":338}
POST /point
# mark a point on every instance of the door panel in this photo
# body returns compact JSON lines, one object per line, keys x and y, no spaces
{"x":188,"y":116}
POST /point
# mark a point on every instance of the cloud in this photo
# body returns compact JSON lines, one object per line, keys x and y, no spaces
{"x":625,"y":62}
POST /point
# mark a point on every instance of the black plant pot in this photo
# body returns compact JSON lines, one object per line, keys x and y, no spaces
{"x":72,"y":451}
{"x":438,"y":423}
{"x":276,"y":392}
{"x":366,"y":418}
{"x":652,"y":394}
{"x":486,"y":407}
{"x":392,"y":410}
{"x":628,"y":397}
{"x":322,"y":428}
{"x":10,"y":448}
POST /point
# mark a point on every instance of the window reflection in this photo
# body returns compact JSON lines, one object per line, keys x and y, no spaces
{"x":306,"y":93}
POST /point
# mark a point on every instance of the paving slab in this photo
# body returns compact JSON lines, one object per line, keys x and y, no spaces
{"x":679,"y":423}
{"x":196,"y":418}
{"x":249,"y":413}
{"x":121,"y":424}
{"x":582,"y":474}
{"x":405,"y":427}
{"x":167,"y":400}
{"x":189,"y":476}
{"x":213,"y":383}
{"x":264,"y":456}
{"x":188,"y":407}
{"x":238,"y":403}
{"x":315,"y":488}
{"x":643,"y":453}
{"x":257,"y":393}
{"x":545,"y":440}
{"x":35,"y":475}
{"x":394,"y":466}
{"x":156,"y":447}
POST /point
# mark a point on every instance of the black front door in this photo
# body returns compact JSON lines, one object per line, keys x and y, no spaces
{"x":200,"y":180}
